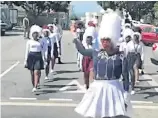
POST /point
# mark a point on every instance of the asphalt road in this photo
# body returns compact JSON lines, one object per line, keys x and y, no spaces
{"x":58,"y":97}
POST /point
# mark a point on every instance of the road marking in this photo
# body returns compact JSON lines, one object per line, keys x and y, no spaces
{"x":142,"y":102}
{"x":21,"y":98}
{"x":9,"y":69}
{"x":69,"y":85}
{"x":63,"y":105}
{"x":58,"y":99}
{"x":152,"y":83}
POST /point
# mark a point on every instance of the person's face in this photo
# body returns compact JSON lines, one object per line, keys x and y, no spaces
{"x":89,"y":40}
{"x":46,"y":33}
{"x":51,"y":29}
{"x":35,"y":35}
{"x":106,"y":43}
{"x":136,"y":38}
{"x":128,"y":38}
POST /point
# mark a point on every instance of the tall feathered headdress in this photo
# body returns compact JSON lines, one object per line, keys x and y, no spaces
{"x":110,"y":27}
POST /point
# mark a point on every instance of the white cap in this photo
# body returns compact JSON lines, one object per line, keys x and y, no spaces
{"x":35,"y":28}
{"x":50,"y":25}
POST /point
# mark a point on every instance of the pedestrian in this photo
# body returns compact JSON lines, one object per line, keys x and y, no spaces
{"x":135,"y":56}
{"x":26,"y":26}
{"x":55,"y":50}
{"x":46,"y":39}
{"x":127,"y":37}
{"x":139,"y":31}
{"x":34,"y":57}
{"x":106,"y":97}
{"x":59,"y":30}
{"x":79,"y":55}
{"x":88,"y":63}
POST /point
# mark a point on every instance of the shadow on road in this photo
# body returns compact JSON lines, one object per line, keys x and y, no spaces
{"x":66,"y":71}
{"x":58,"y":79}
{"x":153,"y":61}
{"x":11,"y":34}
{"x":55,"y":86}
{"x":70,"y":63}
{"x":150,"y":94}
{"x":40,"y":92}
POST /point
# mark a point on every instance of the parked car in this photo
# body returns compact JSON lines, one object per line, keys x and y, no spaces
{"x":149,"y":34}
{"x":3,"y":27}
{"x":154,"y":60}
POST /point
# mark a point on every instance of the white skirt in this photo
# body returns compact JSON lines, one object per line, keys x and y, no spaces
{"x":104,"y":98}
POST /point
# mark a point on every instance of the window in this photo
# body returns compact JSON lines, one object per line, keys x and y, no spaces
{"x":147,"y":29}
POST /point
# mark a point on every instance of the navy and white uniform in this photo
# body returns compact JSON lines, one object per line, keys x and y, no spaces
{"x":48,"y":48}
{"x":106,"y":90}
{"x":35,"y":54}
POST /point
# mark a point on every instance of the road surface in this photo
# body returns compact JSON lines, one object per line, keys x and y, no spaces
{"x":58,"y":97}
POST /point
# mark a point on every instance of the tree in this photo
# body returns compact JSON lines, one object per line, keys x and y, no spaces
{"x":135,"y":8}
{"x":35,"y":8}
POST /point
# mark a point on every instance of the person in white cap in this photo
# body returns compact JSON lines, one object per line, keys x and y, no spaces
{"x":55,"y":49}
{"x":106,"y":96}
{"x":35,"y":56}
{"x":127,"y":37}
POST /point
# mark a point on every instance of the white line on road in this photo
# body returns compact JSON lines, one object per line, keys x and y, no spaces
{"x":63,"y":105}
{"x":9,"y":69}
{"x":21,"y":98}
{"x":69,"y":85}
{"x":142,"y":102}
{"x":152,"y":83}
{"x":58,"y":99}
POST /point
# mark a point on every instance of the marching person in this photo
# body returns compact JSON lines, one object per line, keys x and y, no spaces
{"x":35,"y":56}
{"x":88,"y":63}
{"x":54,"y":36}
{"x":127,"y":37}
{"x":135,"y":56}
{"x":106,"y":97}
{"x":59,"y":30}
{"x":139,"y":31}
{"x":46,"y":39}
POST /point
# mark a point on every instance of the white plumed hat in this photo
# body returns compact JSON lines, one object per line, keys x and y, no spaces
{"x":110,"y":27}
{"x":35,"y":28}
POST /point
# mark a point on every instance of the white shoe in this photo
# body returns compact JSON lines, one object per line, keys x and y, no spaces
{"x":46,"y":78}
{"x":132,"y":92}
{"x":52,"y":71}
{"x":34,"y":90}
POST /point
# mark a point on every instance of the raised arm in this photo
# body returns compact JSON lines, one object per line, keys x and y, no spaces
{"x":125,"y":73}
{"x":81,"y":49}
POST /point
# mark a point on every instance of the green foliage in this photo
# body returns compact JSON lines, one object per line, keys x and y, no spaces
{"x":37,"y":7}
{"x":135,"y":8}
{"x":74,"y":17}
{"x":156,"y":9}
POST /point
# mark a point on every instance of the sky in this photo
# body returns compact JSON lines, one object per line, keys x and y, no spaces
{"x":80,"y":7}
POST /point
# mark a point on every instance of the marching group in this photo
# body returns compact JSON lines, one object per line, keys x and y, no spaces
{"x":42,"y":50}
{"x":112,"y":57}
